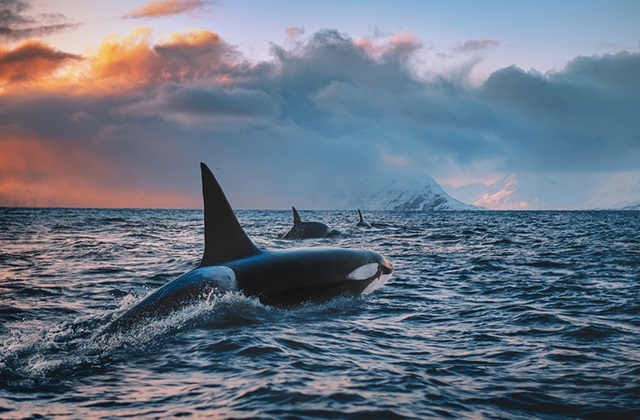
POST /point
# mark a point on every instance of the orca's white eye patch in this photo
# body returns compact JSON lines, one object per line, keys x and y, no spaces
{"x":363,"y":272}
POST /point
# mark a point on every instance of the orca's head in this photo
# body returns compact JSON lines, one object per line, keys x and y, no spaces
{"x":371,"y":269}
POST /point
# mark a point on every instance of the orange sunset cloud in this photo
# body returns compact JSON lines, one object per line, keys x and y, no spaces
{"x":165,"y":8}
{"x":118,"y":64}
{"x":134,"y":60}
{"x":31,"y":61}
{"x":398,"y":44}
{"x":129,"y":59}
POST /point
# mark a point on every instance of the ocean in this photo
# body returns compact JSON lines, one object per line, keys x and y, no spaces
{"x":488,"y":315}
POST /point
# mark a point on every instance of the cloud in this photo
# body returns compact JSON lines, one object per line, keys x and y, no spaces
{"x":610,"y":72}
{"x":474,"y":45}
{"x":15,"y":25}
{"x":31,"y":61}
{"x":330,"y":105}
{"x":205,"y":103}
{"x":396,"y":46}
{"x":156,"y":9}
{"x":123,"y":63}
{"x":577,"y":119}
{"x":295,"y":32}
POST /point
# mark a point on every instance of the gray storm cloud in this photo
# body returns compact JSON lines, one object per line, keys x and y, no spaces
{"x":581,"y":119}
{"x":16,"y":24}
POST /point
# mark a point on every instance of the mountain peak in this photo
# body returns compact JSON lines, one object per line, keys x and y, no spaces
{"x":399,"y":191}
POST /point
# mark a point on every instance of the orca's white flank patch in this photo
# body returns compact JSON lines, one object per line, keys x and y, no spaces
{"x":364,"y":272}
{"x":223,"y":277}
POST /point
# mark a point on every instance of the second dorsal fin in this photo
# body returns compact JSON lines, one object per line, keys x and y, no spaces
{"x":224,"y":238}
{"x":296,"y":217}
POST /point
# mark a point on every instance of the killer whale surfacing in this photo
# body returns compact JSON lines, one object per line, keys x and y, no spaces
{"x":231,"y":262}
{"x":307,"y":230}
{"x":362,"y":222}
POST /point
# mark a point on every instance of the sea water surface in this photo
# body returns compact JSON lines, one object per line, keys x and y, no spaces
{"x":488,"y":314}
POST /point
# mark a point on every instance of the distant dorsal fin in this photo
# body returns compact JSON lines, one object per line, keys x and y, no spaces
{"x":224,"y":238}
{"x":296,"y":217}
{"x":360,"y":214}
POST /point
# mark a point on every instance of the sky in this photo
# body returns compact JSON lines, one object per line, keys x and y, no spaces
{"x":507,"y":105}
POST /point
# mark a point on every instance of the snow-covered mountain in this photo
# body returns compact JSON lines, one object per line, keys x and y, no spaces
{"x":501,"y":195}
{"x":393,"y":192}
{"x":635,"y":206}
{"x":621,"y":191}
{"x":554,"y":191}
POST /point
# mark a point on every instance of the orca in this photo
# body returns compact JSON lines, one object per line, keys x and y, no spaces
{"x":362,"y":223}
{"x":281,"y":278}
{"x":308,"y":230}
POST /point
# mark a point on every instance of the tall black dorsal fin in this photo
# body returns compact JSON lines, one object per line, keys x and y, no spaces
{"x":224,"y":238}
{"x":360,"y":214}
{"x":296,"y":217}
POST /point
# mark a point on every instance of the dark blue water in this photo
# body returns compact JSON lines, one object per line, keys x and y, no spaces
{"x":488,"y":314}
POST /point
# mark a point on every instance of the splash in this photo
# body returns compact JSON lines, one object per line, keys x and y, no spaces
{"x":42,"y":353}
